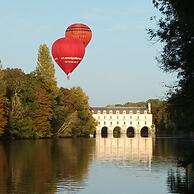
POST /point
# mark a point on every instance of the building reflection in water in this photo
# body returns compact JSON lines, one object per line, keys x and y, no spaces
{"x":135,"y":149}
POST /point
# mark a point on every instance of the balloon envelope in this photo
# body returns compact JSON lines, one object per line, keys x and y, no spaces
{"x":79,"y":31}
{"x":68,"y":53}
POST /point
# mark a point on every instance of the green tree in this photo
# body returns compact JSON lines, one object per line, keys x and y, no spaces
{"x":45,"y":69}
{"x":87,"y":123}
{"x":79,"y":121}
{"x":176,"y":32}
{"x":64,"y":113}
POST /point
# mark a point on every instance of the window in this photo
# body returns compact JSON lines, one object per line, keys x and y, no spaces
{"x":104,"y":112}
{"x":137,"y":117}
{"x":145,"y":123}
{"x":104,"y":117}
{"x":110,"y":112}
{"x":138,"y":122}
{"x":110,"y":117}
{"x":110,"y":123}
{"x":117,"y":122}
{"x":124,"y":123}
{"x":130,"y":117}
{"x":117,"y":117}
{"x":130,"y":122}
{"x":117,"y":112}
{"x":123,"y":117}
{"x":98,"y":123}
{"x":98,"y":111}
{"x":104,"y":122}
{"x":131,"y":112}
{"x":138,"y":112}
{"x":145,"y":117}
{"x":98,"y":117}
{"x":124,"y":112}
{"x":145,"y":112}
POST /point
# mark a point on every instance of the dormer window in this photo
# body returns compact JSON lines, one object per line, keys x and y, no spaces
{"x":104,"y":112}
{"x":117,"y":112}
{"x":98,"y":111}
{"x":124,"y":112}
{"x":110,"y":112}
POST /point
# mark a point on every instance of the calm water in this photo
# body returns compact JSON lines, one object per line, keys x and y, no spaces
{"x":92,"y":166}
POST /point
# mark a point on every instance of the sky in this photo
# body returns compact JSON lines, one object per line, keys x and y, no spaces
{"x":119,"y":65}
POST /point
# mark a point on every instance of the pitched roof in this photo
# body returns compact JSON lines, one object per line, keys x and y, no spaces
{"x":114,"y":109}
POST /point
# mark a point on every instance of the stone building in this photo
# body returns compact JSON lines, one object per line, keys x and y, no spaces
{"x":125,"y":120}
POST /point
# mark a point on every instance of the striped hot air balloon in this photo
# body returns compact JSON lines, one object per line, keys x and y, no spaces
{"x":79,"y":31}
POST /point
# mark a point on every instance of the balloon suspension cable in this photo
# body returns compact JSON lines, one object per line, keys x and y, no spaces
{"x":68,"y":76}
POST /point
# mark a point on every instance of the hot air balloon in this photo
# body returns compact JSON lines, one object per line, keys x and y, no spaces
{"x":68,"y":53}
{"x":79,"y":31}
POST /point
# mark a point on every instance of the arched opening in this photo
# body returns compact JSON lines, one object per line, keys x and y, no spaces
{"x":145,"y":132}
{"x":117,"y":132}
{"x":94,"y":134}
{"x":130,"y":132}
{"x":104,"y":132}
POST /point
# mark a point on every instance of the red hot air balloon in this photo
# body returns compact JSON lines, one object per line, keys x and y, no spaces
{"x":68,"y":53}
{"x":79,"y":31}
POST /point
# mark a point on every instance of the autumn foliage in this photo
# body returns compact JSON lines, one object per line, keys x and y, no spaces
{"x":32,"y":105}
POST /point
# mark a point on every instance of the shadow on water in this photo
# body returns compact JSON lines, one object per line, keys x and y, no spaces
{"x":180,"y":179}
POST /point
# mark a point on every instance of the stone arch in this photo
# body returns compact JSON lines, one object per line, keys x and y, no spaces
{"x":130,"y":132}
{"x":144,"y":131}
{"x":104,"y":131}
{"x":94,"y":134}
{"x":117,"y":132}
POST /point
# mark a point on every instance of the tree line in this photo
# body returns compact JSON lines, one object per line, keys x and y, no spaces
{"x":33,"y":106}
{"x":175,"y":30}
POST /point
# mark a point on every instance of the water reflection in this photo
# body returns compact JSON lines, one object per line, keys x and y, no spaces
{"x":181,"y":181}
{"x":135,"y":149}
{"x":44,"y":166}
{"x":81,"y":165}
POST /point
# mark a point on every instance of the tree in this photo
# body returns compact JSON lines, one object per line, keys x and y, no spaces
{"x":14,"y":80}
{"x":3,"y":102}
{"x":43,"y":114}
{"x":45,"y":69}
{"x":79,"y":121}
{"x":62,"y":110}
{"x":30,"y":107}
{"x":176,"y":31}
{"x":87,"y":123}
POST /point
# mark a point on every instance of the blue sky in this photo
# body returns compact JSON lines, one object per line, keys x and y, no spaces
{"x":119,"y":64}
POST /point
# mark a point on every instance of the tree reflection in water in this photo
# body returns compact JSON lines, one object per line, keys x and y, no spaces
{"x":44,"y":166}
{"x":181,"y":181}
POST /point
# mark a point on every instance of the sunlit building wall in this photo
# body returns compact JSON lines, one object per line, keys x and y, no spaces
{"x":123,"y":117}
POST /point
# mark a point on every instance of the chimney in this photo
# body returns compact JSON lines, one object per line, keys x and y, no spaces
{"x":149,"y":107}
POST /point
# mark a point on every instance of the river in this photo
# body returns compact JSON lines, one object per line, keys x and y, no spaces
{"x":139,"y":165}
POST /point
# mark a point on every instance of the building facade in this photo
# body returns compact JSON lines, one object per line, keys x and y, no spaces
{"x":126,"y":119}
